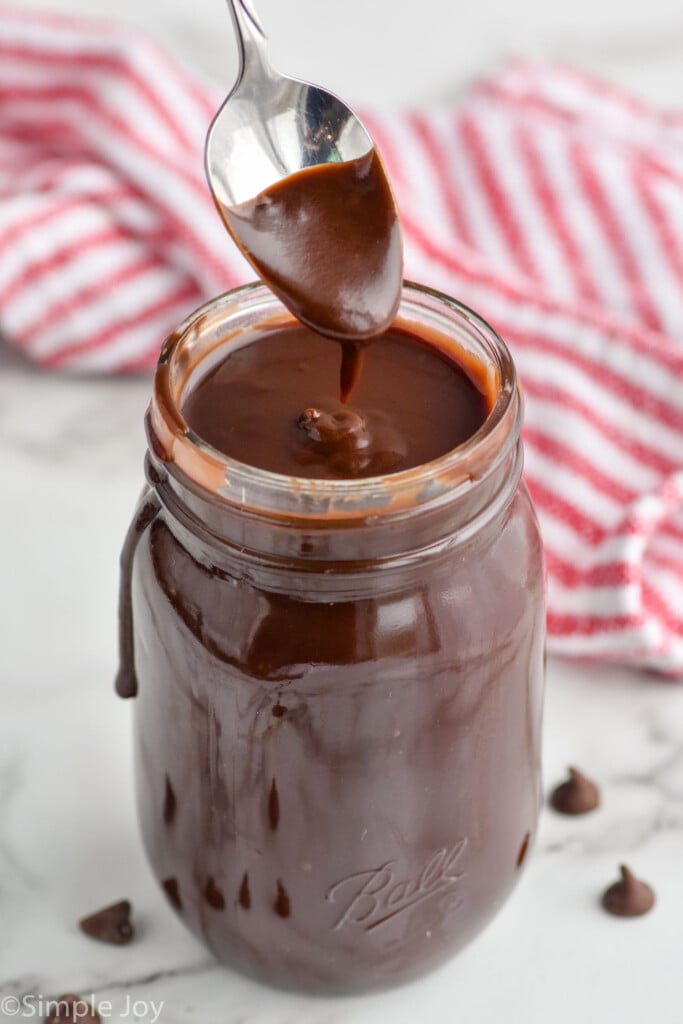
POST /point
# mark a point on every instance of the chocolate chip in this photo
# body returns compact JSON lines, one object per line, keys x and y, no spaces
{"x":629,"y":897}
{"x":111,"y":924}
{"x":578,"y":795}
{"x":71,"y":1009}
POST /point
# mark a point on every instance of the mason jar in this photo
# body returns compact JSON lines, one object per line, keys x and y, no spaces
{"x":338,"y":684}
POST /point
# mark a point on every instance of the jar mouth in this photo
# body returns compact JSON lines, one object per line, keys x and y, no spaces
{"x":230,"y":318}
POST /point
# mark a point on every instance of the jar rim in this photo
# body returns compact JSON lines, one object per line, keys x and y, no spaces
{"x":213,"y":324}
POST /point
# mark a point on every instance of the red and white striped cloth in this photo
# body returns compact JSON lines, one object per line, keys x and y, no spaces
{"x":551,"y":203}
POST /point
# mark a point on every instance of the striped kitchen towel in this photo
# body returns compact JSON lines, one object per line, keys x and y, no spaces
{"x":550,"y":202}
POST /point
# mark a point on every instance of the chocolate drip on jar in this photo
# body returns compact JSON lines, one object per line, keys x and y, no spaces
{"x":126,"y":684}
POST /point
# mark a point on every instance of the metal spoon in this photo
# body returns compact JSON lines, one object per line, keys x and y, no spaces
{"x":304,"y":194}
{"x":270,"y":125}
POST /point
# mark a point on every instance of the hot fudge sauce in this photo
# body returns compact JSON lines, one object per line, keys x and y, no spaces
{"x":273,"y":404}
{"x":327,"y":242}
{"x":339,"y":681}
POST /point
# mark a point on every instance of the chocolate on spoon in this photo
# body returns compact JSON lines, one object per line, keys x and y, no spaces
{"x":303,"y":191}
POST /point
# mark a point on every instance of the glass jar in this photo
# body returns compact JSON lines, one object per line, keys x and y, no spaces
{"x":338,"y":684}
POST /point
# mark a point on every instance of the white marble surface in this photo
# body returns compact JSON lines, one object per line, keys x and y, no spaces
{"x":70,"y":470}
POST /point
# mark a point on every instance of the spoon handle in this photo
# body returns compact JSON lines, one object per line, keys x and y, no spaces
{"x":251,"y":39}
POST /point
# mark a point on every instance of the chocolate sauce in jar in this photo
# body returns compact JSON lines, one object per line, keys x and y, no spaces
{"x":345,"y":699}
{"x":272,"y":404}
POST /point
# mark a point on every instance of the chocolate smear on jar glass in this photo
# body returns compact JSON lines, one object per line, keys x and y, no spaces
{"x":172,"y":890}
{"x":578,"y":795}
{"x":169,"y":802}
{"x":214,"y":895}
{"x":244,"y":897}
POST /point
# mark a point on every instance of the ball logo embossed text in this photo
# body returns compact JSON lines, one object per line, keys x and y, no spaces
{"x":371,"y":898}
